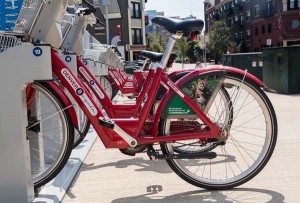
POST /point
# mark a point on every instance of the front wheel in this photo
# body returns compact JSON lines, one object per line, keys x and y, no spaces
{"x":250,"y":142}
{"x":50,"y":133}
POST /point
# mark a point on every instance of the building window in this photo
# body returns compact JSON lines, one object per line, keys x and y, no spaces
{"x":242,"y":19}
{"x":136,"y":36}
{"x":241,"y":36}
{"x":230,"y":21}
{"x":248,"y":34}
{"x":135,"y":10}
{"x":263,"y":29}
{"x":269,"y":28}
{"x":293,"y":4}
{"x":256,"y":11}
{"x":248,"y":15}
{"x":256,"y":31}
{"x":236,"y":36}
{"x":269,"y":5}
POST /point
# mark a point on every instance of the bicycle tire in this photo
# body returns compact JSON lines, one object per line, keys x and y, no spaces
{"x":251,"y":141}
{"x":50,"y":148}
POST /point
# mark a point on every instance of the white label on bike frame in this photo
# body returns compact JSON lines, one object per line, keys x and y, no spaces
{"x":91,"y":82}
{"x":165,"y":86}
{"x":79,"y":91}
{"x":175,"y":89}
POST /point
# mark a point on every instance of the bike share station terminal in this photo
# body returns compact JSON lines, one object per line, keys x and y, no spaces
{"x":23,"y":63}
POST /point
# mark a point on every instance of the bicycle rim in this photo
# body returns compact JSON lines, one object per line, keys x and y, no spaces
{"x":50,"y":133}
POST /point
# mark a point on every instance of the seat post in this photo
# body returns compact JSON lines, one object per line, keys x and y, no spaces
{"x":168,"y":50}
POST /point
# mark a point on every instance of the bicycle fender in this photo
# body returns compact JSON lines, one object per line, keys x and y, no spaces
{"x":65,"y":99}
{"x":193,"y":74}
{"x":222,"y":68}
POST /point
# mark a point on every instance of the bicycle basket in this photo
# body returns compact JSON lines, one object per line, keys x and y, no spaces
{"x":8,"y":42}
{"x":18,"y":16}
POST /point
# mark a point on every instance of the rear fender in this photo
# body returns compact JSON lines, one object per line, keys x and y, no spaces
{"x":193,"y":74}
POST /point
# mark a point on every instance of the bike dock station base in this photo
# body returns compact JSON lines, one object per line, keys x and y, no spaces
{"x":55,"y":190}
{"x":23,"y":64}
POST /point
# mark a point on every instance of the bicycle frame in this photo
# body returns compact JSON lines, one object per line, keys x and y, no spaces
{"x":115,"y":110}
{"x":127,"y":131}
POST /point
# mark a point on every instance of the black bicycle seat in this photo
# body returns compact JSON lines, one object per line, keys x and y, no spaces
{"x":155,"y":56}
{"x":175,"y":25}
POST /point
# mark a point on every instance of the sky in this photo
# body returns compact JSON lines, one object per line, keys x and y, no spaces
{"x":182,"y":8}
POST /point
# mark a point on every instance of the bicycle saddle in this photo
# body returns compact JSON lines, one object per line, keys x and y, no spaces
{"x":185,"y":26}
{"x":155,"y":56}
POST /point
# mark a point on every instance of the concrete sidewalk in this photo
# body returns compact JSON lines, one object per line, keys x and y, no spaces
{"x":109,"y":176}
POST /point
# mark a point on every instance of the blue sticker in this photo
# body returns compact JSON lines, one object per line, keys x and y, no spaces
{"x":37,"y":51}
{"x":68,"y":59}
{"x":79,"y":91}
{"x":85,"y":62}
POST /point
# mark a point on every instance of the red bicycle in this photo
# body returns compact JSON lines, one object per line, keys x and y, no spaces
{"x":221,"y":109}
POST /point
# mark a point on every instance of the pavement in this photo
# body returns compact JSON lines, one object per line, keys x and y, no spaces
{"x":106,"y":175}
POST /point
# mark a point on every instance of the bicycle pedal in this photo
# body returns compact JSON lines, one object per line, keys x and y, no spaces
{"x":106,"y":123}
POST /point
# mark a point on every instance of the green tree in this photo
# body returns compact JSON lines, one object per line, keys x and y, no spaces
{"x":154,"y":43}
{"x":182,"y":47}
{"x":220,"y":39}
{"x":194,"y":52}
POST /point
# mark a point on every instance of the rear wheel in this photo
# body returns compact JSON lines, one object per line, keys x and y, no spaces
{"x":247,"y":147}
{"x":50,"y":133}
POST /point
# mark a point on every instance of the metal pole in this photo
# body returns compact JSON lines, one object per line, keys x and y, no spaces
{"x":107,"y":25}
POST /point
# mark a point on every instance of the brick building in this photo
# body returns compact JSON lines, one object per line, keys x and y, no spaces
{"x":258,"y":23}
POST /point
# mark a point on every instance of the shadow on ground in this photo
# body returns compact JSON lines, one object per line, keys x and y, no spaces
{"x":228,"y":196}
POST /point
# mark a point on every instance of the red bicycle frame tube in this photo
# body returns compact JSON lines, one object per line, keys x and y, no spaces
{"x":132,"y":126}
